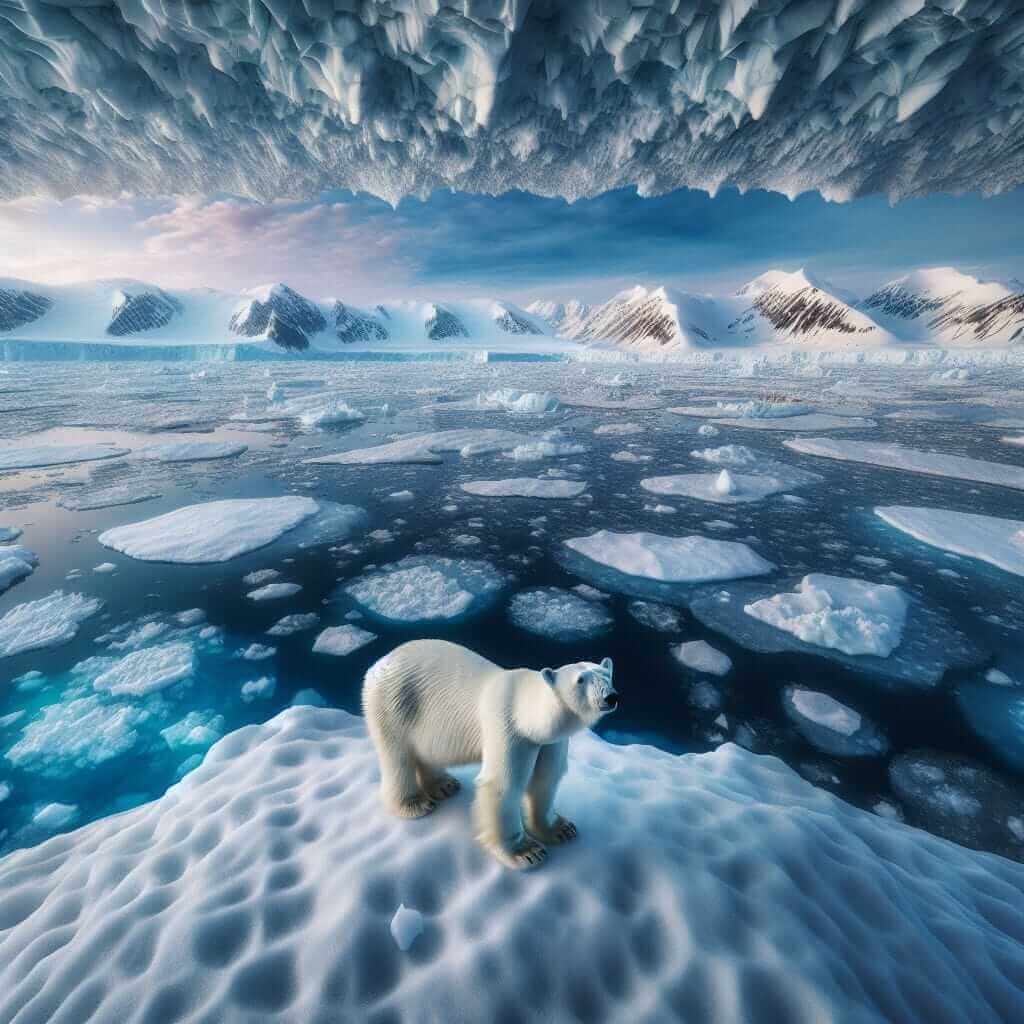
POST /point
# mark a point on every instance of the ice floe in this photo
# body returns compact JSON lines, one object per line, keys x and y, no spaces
{"x":428,"y":588}
{"x":148,"y":670}
{"x":35,"y":456}
{"x":852,"y":616}
{"x":274,"y":591}
{"x":425,"y":448}
{"x":552,"y":444}
{"x":999,"y":542}
{"x":342,"y":641}
{"x":217,"y":531}
{"x":523,"y":487}
{"x":216,"y":898}
{"x":662,"y":618}
{"x":930,"y":642}
{"x":189,"y":451}
{"x":558,"y":614}
{"x":9,"y":534}
{"x":911,"y":460}
{"x":16,"y":563}
{"x":515,"y":401}
{"x":258,"y":689}
{"x":89,"y":499}
{"x":723,"y":488}
{"x":297,"y":623}
{"x":830,"y":726}
{"x":994,"y":711}
{"x":700,"y":656}
{"x":46,"y":622}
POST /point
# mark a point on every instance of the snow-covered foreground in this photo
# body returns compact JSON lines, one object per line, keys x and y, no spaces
{"x":718,"y":887}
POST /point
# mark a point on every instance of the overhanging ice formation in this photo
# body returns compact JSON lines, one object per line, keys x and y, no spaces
{"x":556,"y":97}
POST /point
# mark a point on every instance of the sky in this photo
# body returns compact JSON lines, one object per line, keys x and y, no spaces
{"x":516,"y":246}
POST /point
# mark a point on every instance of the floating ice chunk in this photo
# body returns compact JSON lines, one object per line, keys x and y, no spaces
{"x":9,"y":534}
{"x":196,"y":729}
{"x":558,"y":615}
{"x":6,"y":789}
{"x":258,"y":689}
{"x":16,"y":563}
{"x":832,"y":727}
{"x":524,"y":402}
{"x":724,"y":484}
{"x":958,"y":798}
{"x":763,"y":818}
{"x":852,"y":616}
{"x":723,"y":488}
{"x":149,"y":670}
{"x":189,"y":451}
{"x":525,"y":487}
{"x":274,"y":592}
{"x":76,"y":734}
{"x":999,"y":677}
{"x":46,"y":622}
{"x":54,"y":817}
{"x":895,"y":456}
{"x":1000,"y":542}
{"x":342,"y":640}
{"x":402,"y":496}
{"x":700,"y":656}
{"x":139,"y":636}
{"x":810,"y":421}
{"x":107,"y":497}
{"x":1019,"y":441}
{"x":56,"y":455}
{"x":261,"y":576}
{"x":294,"y":624}
{"x":424,"y":448}
{"x":214,"y":531}
{"x":691,"y":559}
{"x":406,"y":926}
{"x":708,"y":430}
{"x":660,"y":617}
{"x":258,"y":652}
{"x":629,"y":456}
{"x":425,"y":588}
{"x":738,"y":455}
{"x":553,"y":444}
{"x":931,"y":643}
{"x":190,"y":617}
{"x":105,"y":567}
{"x":308,"y":698}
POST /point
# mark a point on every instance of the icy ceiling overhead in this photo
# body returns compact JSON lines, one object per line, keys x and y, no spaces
{"x":557,"y":97}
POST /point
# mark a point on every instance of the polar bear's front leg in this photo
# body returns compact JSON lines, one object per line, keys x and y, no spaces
{"x":541,"y":819}
{"x":504,"y":774}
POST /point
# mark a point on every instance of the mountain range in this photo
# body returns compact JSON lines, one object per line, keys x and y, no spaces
{"x":939,"y":306}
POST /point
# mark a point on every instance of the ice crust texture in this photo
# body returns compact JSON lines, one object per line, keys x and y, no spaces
{"x":555,"y":98}
{"x":249,"y":892}
{"x":558,"y":615}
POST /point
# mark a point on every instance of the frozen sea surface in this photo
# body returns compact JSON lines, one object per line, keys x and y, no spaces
{"x":396,"y":521}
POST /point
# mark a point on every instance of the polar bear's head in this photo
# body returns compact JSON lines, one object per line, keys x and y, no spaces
{"x":585,"y":688}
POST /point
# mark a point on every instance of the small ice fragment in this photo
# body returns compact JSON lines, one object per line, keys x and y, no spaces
{"x":55,"y":816}
{"x":342,"y":640}
{"x":700,"y":656}
{"x":406,"y":926}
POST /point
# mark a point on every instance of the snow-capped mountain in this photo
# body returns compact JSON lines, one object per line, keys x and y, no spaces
{"x":279,"y":314}
{"x":562,"y":317}
{"x":942,"y":302}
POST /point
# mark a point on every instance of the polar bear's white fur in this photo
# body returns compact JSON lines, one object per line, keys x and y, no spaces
{"x":430,"y":704}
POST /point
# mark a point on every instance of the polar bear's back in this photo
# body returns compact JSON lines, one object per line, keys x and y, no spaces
{"x":426,"y":693}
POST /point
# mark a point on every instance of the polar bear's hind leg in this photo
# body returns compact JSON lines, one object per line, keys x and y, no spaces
{"x":399,"y":785}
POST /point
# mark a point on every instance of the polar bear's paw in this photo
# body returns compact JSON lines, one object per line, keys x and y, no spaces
{"x":526,"y":855}
{"x":442,"y":786}
{"x":561,"y":830}
{"x":418,"y":806}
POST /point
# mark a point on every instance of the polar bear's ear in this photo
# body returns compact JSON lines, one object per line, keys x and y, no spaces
{"x":548,"y":675}
{"x":606,"y":664}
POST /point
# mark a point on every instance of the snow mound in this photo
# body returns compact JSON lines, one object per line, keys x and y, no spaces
{"x":190,"y":451}
{"x":46,"y":622}
{"x":692,"y":559}
{"x":525,"y":487}
{"x":912,"y":460}
{"x":558,"y":614}
{"x":852,"y":616}
{"x":831,"y":727}
{"x":36,"y":456}
{"x":1000,"y":542}
{"x":422,"y":589}
{"x":214,"y":531}
{"x":265,"y":884}
{"x":929,"y":641}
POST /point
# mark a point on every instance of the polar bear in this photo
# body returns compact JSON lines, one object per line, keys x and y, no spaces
{"x":430,"y":704}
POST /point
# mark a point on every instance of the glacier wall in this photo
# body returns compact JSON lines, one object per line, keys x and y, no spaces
{"x":270,"y":98}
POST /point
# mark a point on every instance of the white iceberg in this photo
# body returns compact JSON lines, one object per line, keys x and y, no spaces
{"x":523,"y":402}
{"x":341,"y":641}
{"x":852,"y":616}
{"x":693,"y":559}
{"x":912,"y":460}
{"x":1000,"y":542}
{"x":240,"y":927}
{"x":524,"y":487}
{"x":558,"y":614}
{"x":46,"y":622}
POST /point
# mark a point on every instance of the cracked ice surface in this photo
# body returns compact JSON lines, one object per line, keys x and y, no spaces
{"x":553,"y":97}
